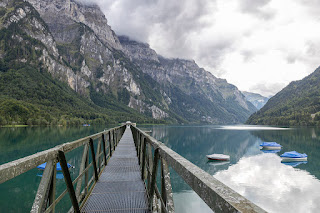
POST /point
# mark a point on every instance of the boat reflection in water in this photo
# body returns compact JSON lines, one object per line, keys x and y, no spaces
{"x":59,"y":175}
{"x":274,"y":186}
{"x":294,"y":164}
{"x":270,"y":151}
{"x":217,"y":163}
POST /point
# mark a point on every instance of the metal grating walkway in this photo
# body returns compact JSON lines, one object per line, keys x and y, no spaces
{"x":120,"y":188}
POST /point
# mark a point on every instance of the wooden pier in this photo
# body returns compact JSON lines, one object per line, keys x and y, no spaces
{"x":120,"y":187}
{"x":118,"y":174}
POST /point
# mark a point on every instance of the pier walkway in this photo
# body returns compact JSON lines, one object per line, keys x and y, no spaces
{"x":120,"y":187}
{"x":121,"y":170}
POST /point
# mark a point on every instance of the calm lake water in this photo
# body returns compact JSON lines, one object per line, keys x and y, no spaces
{"x":260,"y":177}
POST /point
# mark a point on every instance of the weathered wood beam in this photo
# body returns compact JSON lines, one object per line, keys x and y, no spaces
{"x":96,"y":177}
{"x":40,"y":200}
{"x":219,"y":197}
{"x":153,"y":177}
{"x":17,"y":167}
{"x":166,"y":188}
{"x":68,"y":181}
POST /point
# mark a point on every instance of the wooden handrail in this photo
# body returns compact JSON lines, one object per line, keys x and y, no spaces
{"x":219,"y":197}
{"x":22,"y":165}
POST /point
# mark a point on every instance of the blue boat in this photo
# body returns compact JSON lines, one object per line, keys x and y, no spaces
{"x":293,"y":156}
{"x":271,"y":146}
{"x":43,"y":166}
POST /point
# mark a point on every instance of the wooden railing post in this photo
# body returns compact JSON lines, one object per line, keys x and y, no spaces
{"x":166,"y":188}
{"x":150,"y":164}
{"x":82,"y":168}
{"x":93,"y":160}
{"x":98,"y":156}
{"x":41,"y":198}
{"x":143,"y":158}
{"x":86,"y":175}
{"x":68,"y":181}
{"x":110,"y":144}
{"x":52,"y":191}
{"x":114,"y":141}
{"x":104,"y":149}
{"x":154,"y":177}
{"x":138,"y":145}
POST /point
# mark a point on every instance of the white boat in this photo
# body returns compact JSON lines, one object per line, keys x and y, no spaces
{"x":293,"y":156}
{"x":270,"y":146}
{"x":218,"y":157}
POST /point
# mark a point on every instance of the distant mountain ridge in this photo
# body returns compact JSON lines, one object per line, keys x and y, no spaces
{"x":118,"y":78}
{"x":192,"y":91}
{"x":298,"y":104}
{"x":256,"y":99}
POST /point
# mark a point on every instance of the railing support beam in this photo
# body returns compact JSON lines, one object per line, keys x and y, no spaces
{"x":42,"y":194}
{"x":93,"y":160}
{"x":154,"y":177}
{"x":67,"y":179}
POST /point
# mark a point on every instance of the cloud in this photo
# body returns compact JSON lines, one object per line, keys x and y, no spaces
{"x":267,"y":88}
{"x":258,"y":8}
{"x":272,"y":185}
{"x":257,"y":45}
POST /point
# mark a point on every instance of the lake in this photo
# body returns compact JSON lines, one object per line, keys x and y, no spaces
{"x":259,"y":176}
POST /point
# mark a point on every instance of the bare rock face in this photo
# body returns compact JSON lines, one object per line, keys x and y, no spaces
{"x":68,"y":10}
{"x":218,"y":98}
{"x":79,"y":47}
{"x":82,"y":50}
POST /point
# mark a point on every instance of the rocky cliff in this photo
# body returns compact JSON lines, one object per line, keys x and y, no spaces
{"x":74,"y":43}
{"x":190,"y":90}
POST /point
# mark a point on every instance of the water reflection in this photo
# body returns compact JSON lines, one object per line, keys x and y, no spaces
{"x":270,"y":151}
{"x":294,"y":164}
{"x":19,"y":142}
{"x":273,"y":186}
{"x":257,"y":174}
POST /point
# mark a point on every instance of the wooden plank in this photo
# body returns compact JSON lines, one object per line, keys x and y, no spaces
{"x":104,"y":149}
{"x":96,"y":177}
{"x":153,"y":177}
{"x":44,"y":186}
{"x":68,"y":181}
{"x":17,"y":167}
{"x":81,"y":169}
{"x":166,"y":186}
{"x":143,"y":159}
{"x":219,"y":197}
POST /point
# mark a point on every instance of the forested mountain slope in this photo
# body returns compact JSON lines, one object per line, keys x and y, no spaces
{"x":61,"y":63}
{"x":296,"y":104}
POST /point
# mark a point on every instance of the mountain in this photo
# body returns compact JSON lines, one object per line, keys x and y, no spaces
{"x":60,"y":62}
{"x":296,"y":104}
{"x":256,"y":99}
{"x":40,"y":82}
{"x":191,"y":92}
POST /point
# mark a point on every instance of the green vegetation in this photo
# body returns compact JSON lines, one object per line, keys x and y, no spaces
{"x":294,"y":105}
{"x":30,"y":96}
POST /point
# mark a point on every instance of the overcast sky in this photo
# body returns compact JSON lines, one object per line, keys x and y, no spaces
{"x":258,"y":45}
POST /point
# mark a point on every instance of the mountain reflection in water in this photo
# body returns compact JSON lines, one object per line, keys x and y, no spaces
{"x":273,"y":186}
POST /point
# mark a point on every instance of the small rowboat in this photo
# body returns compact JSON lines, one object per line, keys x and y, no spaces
{"x":293,"y":156}
{"x":218,"y":157}
{"x":270,"y":146}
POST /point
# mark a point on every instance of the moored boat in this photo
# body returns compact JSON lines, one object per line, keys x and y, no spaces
{"x":43,"y":166}
{"x":218,"y":157}
{"x":270,"y":146}
{"x":293,"y":156}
